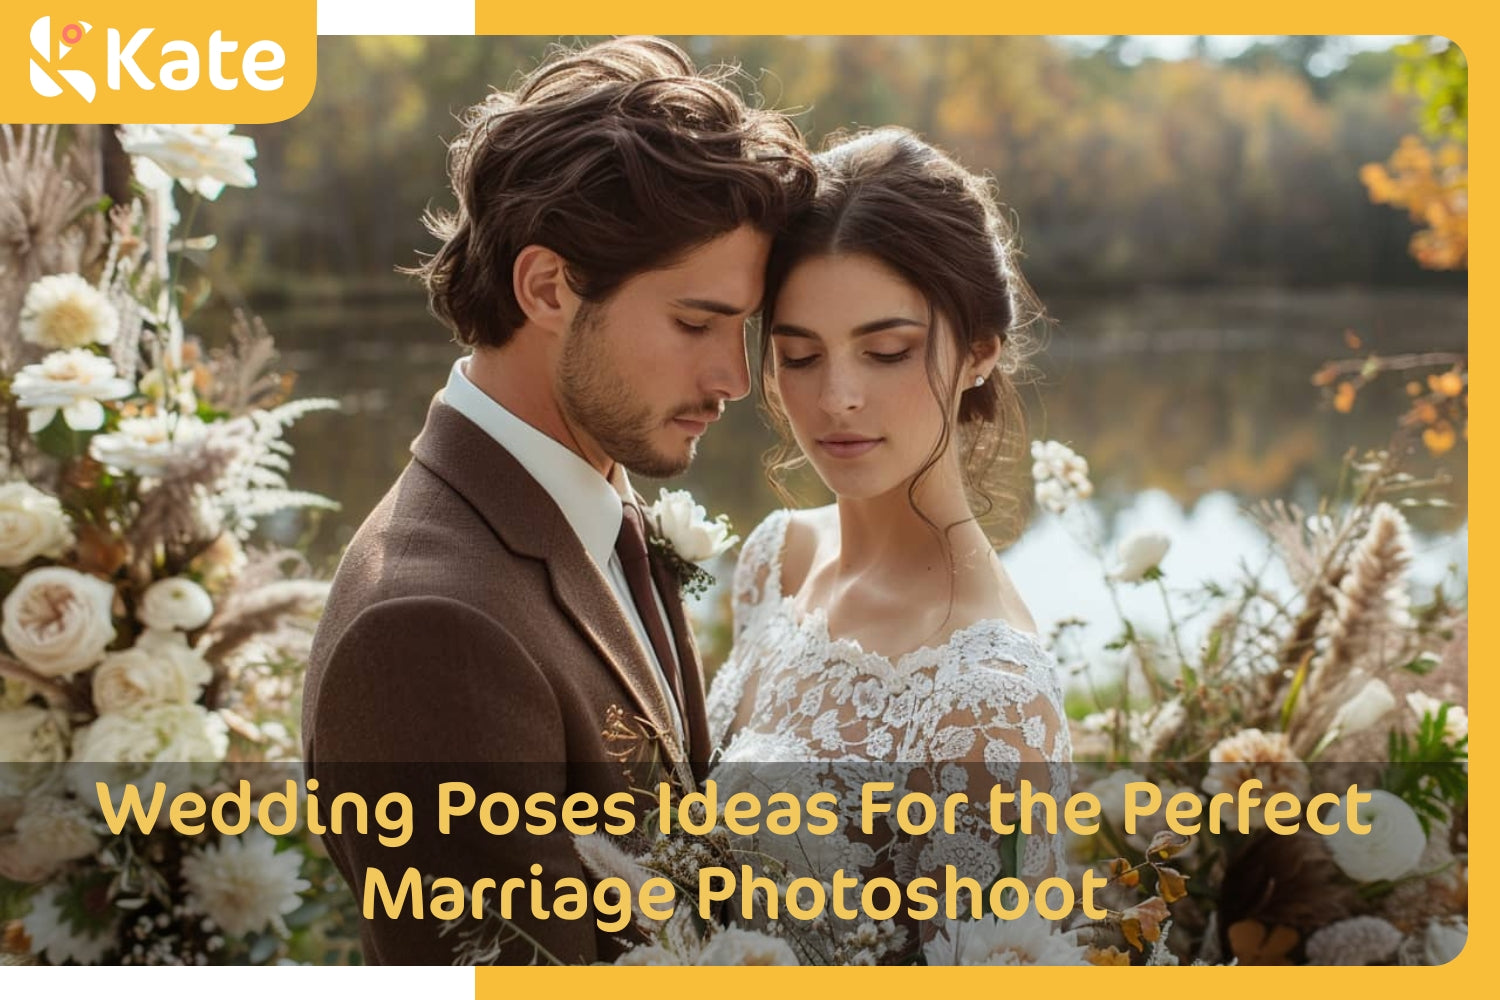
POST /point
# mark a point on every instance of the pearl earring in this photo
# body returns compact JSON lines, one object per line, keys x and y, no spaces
{"x":979,"y":381}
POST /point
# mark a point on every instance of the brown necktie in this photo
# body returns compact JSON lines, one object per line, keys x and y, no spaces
{"x":631,"y":546}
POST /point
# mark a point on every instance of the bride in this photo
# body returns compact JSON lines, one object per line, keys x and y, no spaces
{"x":879,"y":638}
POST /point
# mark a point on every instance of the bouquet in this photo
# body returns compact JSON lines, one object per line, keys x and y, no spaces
{"x":146,"y":637}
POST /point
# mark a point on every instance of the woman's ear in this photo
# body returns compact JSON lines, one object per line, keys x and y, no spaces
{"x":539,"y":279}
{"x":983,"y":358}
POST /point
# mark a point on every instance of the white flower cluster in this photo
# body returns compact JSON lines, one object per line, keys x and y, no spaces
{"x":204,"y":159}
{"x":1061,"y":475}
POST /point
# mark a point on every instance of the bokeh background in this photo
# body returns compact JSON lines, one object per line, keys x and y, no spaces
{"x":1193,"y":214}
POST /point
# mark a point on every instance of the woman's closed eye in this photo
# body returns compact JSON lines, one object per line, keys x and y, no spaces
{"x":892,"y":358}
{"x":692,"y":327}
{"x":789,"y":361}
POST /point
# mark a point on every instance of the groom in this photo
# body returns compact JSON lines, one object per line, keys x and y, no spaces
{"x":500,"y":619}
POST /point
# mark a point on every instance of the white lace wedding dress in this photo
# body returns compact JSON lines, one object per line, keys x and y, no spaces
{"x":798,"y":710}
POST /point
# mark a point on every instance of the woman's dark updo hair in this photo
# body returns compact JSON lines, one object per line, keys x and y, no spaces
{"x":888,"y":195}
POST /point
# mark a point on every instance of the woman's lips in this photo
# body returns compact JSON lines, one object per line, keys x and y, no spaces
{"x":848,"y":447}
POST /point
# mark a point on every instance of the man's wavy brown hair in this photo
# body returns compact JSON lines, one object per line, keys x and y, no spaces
{"x":621,"y":158}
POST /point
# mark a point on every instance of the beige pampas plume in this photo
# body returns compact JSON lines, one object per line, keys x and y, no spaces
{"x":1371,"y":600}
{"x":606,"y":859}
{"x":1364,"y":623}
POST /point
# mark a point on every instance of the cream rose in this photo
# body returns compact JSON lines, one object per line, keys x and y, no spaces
{"x":1138,"y":555}
{"x":51,"y":832}
{"x":685,"y":526}
{"x":160,"y":669}
{"x":32,"y":742}
{"x":175,"y":603}
{"x":32,"y":524}
{"x":1392,"y":847}
{"x":179,"y":745}
{"x":57,"y":620}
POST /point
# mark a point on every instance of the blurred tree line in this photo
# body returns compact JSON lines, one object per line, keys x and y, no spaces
{"x":1198,"y":171}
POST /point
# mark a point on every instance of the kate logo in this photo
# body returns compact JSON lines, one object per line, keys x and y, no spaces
{"x":42,"y":81}
{"x":99,"y":61}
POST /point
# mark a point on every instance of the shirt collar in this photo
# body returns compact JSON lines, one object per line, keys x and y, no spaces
{"x":591,"y":504}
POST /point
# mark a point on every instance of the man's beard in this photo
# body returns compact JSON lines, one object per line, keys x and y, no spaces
{"x":596,"y":400}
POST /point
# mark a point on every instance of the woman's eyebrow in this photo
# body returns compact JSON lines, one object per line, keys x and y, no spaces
{"x":873,"y":326}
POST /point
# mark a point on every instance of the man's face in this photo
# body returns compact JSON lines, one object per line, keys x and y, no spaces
{"x":644,"y":373}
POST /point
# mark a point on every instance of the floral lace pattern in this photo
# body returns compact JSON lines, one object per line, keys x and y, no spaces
{"x":815,"y":712}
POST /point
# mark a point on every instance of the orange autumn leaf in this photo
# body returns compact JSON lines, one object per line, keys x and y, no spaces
{"x":1253,"y":944}
{"x":1106,"y":956}
{"x":1142,"y":922}
{"x":1166,"y":844}
{"x":1439,"y":438}
{"x":1352,"y":341}
{"x":1424,"y":412}
{"x":1171,"y":883}
{"x":1414,"y":389}
{"x":1343,"y":397}
{"x":1119,"y":870}
{"x":1450,"y":384}
{"x":1325,"y":376}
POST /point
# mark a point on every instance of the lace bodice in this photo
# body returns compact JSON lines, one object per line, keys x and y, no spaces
{"x":985,"y":707}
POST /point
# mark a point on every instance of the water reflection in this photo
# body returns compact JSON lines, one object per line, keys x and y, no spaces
{"x":1188,"y":406}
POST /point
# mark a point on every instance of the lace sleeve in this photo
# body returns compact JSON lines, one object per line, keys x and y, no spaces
{"x":758,"y":573}
{"x":993,"y":722}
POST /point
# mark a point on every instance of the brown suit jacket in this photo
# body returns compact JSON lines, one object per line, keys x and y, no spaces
{"x":469,"y":637}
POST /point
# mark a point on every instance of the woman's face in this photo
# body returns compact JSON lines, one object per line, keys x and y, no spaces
{"x":850,"y":348}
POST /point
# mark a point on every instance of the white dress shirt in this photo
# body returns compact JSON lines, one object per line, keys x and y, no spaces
{"x":592,"y":505}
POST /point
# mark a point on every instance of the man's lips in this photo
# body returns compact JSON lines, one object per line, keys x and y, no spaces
{"x":847,"y":445}
{"x":695,"y":424}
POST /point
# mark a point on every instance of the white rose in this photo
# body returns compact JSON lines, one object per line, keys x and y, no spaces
{"x":51,"y":832}
{"x":1442,"y":941}
{"x":159,"y":669}
{"x":1391,"y":848}
{"x":179,"y":745}
{"x":32,"y":741}
{"x":1367,"y":707}
{"x":738,"y":946}
{"x":202,"y":158}
{"x":1139,"y":554}
{"x":72,"y":381}
{"x":145,"y":446}
{"x":32,"y":524}
{"x":57,"y":620}
{"x":175,"y":603}
{"x":685,"y":526}
{"x":63,"y":311}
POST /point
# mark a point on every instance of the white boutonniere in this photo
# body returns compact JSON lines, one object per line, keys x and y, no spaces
{"x":682,"y":532}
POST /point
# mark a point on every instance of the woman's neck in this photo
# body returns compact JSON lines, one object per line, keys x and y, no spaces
{"x":895,"y":533}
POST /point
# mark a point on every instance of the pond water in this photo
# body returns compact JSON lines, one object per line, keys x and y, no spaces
{"x":1190,"y":406}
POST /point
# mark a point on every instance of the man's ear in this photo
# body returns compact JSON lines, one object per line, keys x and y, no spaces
{"x":539,"y":280}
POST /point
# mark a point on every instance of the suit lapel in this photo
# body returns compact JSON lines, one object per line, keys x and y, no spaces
{"x":526,"y":519}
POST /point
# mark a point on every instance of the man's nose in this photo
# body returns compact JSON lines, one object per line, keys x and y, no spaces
{"x":728,"y":375}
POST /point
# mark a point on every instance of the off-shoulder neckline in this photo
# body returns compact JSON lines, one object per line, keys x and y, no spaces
{"x":900,"y":664}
